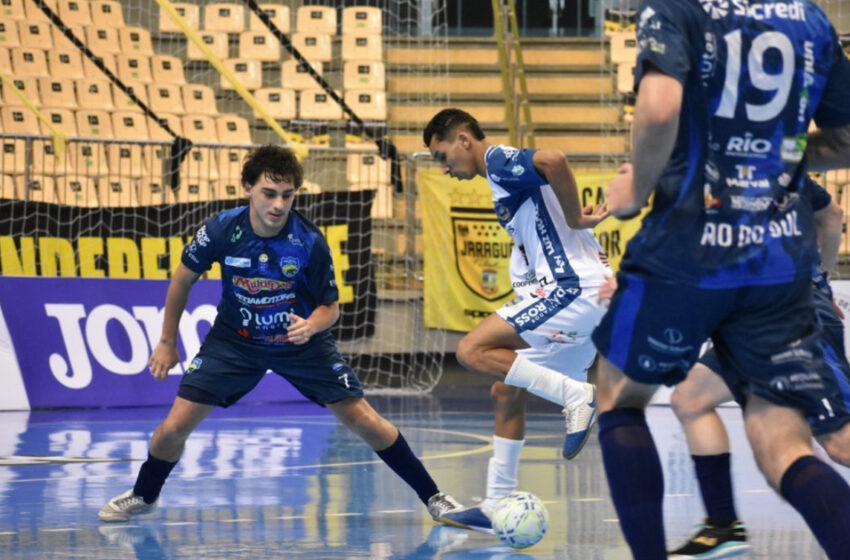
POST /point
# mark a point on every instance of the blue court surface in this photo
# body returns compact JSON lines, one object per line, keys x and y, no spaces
{"x":286,"y":481}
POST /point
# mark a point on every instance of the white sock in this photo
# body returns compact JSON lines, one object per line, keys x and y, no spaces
{"x":502,"y":470}
{"x":544,"y":382}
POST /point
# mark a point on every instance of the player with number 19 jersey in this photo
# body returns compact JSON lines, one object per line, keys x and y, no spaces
{"x":727,"y":210}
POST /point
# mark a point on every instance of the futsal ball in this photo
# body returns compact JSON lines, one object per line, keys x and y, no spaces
{"x":520,"y":519}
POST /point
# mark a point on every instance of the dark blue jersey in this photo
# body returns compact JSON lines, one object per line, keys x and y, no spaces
{"x":264,"y":279}
{"x":727,"y":210}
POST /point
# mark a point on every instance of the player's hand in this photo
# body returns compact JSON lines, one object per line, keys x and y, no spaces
{"x":606,"y":291}
{"x":621,"y":194}
{"x":163,"y":358}
{"x":300,"y":330}
{"x":838,"y":310}
{"x":592,"y":215}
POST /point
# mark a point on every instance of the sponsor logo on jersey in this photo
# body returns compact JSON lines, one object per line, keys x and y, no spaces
{"x":267,"y":300}
{"x":748,"y":146}
{"x":236,"y":235}
{"x":711,"y":203}
{"x":742,"y":235}
{"x":795,"y":11}
{"x":517,"y":170}
{"x":257,"y":285}
{"x":746,"y":179}
{"x":263,"y":263}
{"x":808,"y":80}
{"x":751,"y":204}
{"x":238,"y":262}
{"x":290,"y":266}
{"x":715,"y":8}
{"x":265,"y":321}
{"x":793,"y":148}
{"x":201,"y":237}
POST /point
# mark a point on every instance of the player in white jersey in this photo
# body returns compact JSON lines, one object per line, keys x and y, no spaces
{"x":540,"y":342}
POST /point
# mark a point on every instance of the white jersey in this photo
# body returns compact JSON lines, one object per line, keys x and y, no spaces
{"x":546,"y":252}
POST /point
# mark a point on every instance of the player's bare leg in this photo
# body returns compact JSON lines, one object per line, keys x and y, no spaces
{"x":694,"y":402}
{"x":837,"y":445}
{"x":170,"y":437}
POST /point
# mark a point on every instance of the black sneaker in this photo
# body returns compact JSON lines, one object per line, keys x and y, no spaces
{"x":712,"y":541}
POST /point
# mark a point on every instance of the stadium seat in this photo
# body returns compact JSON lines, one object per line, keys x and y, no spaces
{"x":135,"y":41}
{"x":167,"y":69}
{"x":39,"y":189}
{"x":156,"y":160}
{"x":18,"y":120}
{"x":158,"y":133}
{"x":165,"y":98}
{"x":8,"y":188}
{"x":103,"y":40}
{"x":364,"y":76}
{"x":130,"y":125}
{"x":367,"y":169}
{"x":28,"y":85}
{"x":313,"y":46}
{"x":625,"y":77}
{"x":623,"y":47}
{"x":5,"y":61}
{"x":230,"y":189}
{"x":295,"y":76}
{"x":27,"y":61}
{"x":194,"y":190}
{"x":94,"y":123}
{"x":123,"y":102}
{"x":134,"y":68}
{"x":35,"y":14}
{"x":14,"y":154}
{"x":75,"y":12}
{"x":199,"y":99}
{"x":199,"y":167}
{"x":190,"y":12}
{"x":259,"y":45}
{"x":362,"y":47}
{"x":65,"y":63}
{"x":89,"y":158}
{"x":117,"y":191}
{"x":278,"y":13}
{"x":61,"y":41}
{"x":57,"y":92}
{"x":77,"y":191}
{"x":61,"y":119}
{"x":90,"y":69}
{"x":316,"y":104}
{"x":13,"y":9}
{"x":224,"y":17}
{"x":152,"y":192}
{"x":94,"y":93}
{"x":233,"y":129}
{"x":9,"y":33}
{"x":199,"y":128}
{"x":230,"y":169}
{"x":107,"y":13}
{"x":215,"y":40}
{"x":45,"y":161}
{"x":360,"y":20}
{"x":36,"y":35}
{"x":316,"y":19}
{"x":125,"y":160}
{"x":382,"y":203}
{"x":368,"y":105}
{"x":279,"y":102}
{"x":248,"y":72}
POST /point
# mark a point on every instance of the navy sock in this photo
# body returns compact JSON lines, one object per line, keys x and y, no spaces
{"x":822,"y":497}
{"x":635,"y":479}
{"x":715,"y":483}
{"x":404,"y":463}
{"x":151,"y":477}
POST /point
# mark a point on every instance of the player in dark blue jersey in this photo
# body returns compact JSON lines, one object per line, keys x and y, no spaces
{"x":279,"y":299}
{"x":726,"y":92}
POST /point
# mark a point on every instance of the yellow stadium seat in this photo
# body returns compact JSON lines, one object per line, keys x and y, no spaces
{"x":135,"y":41}
{"x":316,"y":104}
{"x":279,"y":102}
{"x":18,"y":120}
{"x":107,"y":12}
{"x":194,"y":190}
{"x":93,"y":71}
{"x":45,"y":162}
{"x":36,"y":35}
{"x":94,"y":123}
{"x":27,"y":61}
{"x":158,"y":133}
{"x":165,"y":98}
{"x":316,"y":19}
{"x":57,"y":92}
{"x":94,"y":93}
{"x":313,"y":46}
{"x":278,"y":13}
{"x":39,"y":189}
{"x":125,"y":160}
{"x":61,"y":119}
{"x":248,"y":72}
{"x":117,"y":192}
{"x":230,"y":166}
{"x":199,"y":99}
{"x":199,"y":166}
{"x":368,"y":105}
{"x":199,"y":128}
{"x":77,"y":191}
{"x":14,"y":154}
{"x":103,"y":40}
{"x":13,"y":9}
{"x":134,"y":68}
{"x":625,"y":77}
{"x":623,"y":48}
{"x":35,"y":14}
{"x":89,"y":158}
{"x":65,"y":63}
{"x":367,"y":169}
{"x":382,"y":203}
{"x":123,"y":102}
{"x":167,"y":69}
{"x":190,"y":12}
{"x":152,"y":192}
{"x":156,"y":160}
{"x":75,"y":12}
{"x":9,"y":33}
{"x":295,"y":76}
{"x":8,"y":188}
{"x":362,"y":20}
{"x":5,"y":61}
{"x":129,"y":125}
{"x":61,"y":41}
{"x":233,"y":129}
{"x":28,"y":85}
{"x":259,"y":45}
{"x":216,"y":41}
{"x":224,"y":17}
{"x":364,"y":76}
{"x":362,"y":47}
{"x":228,"y":189}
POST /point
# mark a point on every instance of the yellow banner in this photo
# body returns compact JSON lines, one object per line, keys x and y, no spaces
{"x":467,"y":252}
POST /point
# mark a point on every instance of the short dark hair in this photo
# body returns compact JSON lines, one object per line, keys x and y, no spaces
{"x":275,"y":162}
{"x":446,"y":122}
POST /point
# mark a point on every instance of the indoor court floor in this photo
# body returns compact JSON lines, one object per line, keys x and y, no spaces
{"x":286,"y":481}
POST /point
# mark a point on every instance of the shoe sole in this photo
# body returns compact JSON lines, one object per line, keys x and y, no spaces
{"x":727,"y":552}
{"x":586,"y":436}
{"x":450,"y":523}
{"x":124,"y":519}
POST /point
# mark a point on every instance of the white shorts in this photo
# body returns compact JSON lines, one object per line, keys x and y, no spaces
{"x":557,"y":328}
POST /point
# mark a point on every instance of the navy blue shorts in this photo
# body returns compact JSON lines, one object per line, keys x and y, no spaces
{"x":835,"y":402}
{"x":226,"y":370}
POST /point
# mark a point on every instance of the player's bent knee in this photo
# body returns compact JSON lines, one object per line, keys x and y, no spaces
{"x":837,"y":445}
{"x":467,"y":352}
{"x":501,"y":393}
{"x":684,"y":405}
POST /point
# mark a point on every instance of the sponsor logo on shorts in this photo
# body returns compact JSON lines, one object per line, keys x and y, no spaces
{"x":196,"y":364}
{"x":797,"y":382}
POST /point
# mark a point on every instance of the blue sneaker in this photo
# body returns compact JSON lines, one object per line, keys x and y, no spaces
{"x":472,"y":518}
{"x":580,"y":418}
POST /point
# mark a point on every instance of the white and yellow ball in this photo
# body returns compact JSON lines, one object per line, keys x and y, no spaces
{"x":520,"y":519}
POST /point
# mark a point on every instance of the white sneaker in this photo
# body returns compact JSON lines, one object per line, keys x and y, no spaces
{"x":579,"y":417}
{"x":124,"y":506}
{"x":440,"y":504}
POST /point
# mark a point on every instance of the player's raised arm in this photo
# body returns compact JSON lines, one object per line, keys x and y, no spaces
{"x":165,"y":354}
{"x":552,"y":165}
